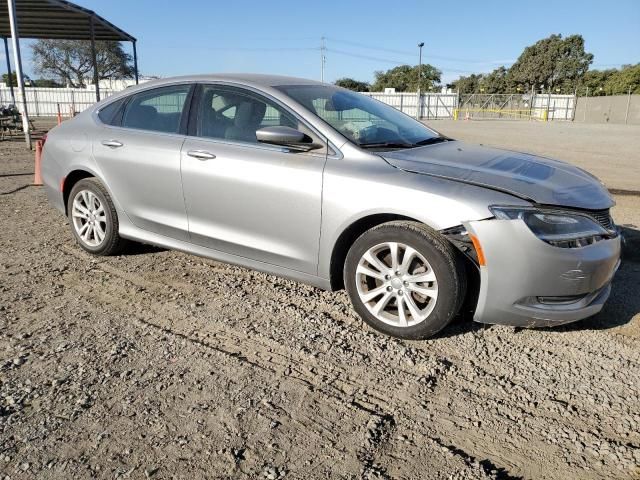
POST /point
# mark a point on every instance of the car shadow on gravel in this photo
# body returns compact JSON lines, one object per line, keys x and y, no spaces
{"x":134,"y":248}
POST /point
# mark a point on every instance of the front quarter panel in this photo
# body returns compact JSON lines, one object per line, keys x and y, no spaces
{"x":359,"y":186}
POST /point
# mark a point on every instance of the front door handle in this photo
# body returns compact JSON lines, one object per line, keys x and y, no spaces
{"x":112,"y":143}
{"x":201,"y":154}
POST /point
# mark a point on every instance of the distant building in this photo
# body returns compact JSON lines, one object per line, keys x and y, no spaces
{"x":118,"y":83}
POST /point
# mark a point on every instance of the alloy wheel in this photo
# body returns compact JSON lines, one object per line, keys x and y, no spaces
{"x":396,"y":284}
{"x":89,"y":218}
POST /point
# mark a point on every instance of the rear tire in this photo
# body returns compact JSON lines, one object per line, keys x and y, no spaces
{"x":405,"y":280}
{"x":93,"y":218}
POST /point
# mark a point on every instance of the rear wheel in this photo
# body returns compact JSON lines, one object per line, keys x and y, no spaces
{"x":404,"y":280}
{"x":93,"y":218}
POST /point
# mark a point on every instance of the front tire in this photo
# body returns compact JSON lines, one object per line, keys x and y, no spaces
{"x":93,"y":218}
{"x":405,"y":280}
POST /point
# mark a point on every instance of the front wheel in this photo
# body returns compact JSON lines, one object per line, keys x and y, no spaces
{"x":405,"y":280}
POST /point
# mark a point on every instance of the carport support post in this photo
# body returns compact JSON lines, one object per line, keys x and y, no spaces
{"x":135,"y":61}
{"x":9,"y":81}
{"x":93,"y":57}
{"x":15,"y":42}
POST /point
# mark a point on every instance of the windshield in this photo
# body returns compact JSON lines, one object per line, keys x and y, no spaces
{"x":366,"y":122}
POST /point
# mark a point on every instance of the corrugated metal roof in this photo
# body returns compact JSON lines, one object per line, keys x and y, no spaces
{"x":58,"y":19}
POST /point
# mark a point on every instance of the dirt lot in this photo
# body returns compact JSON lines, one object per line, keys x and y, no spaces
{"x":156,"y":364}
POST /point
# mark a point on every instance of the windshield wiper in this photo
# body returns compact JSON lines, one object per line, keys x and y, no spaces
{"x":387,"y":145}
{"x":432,"y":140}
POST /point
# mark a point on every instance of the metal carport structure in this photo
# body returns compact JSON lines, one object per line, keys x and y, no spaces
{"x":54,"y":19}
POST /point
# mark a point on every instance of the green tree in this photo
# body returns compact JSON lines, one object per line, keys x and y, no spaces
{"x":351,"y":84}
{"x":554,"y":62}
{"x":594,"y":82}
{"x":14,"y":78}
{"x":619,"y":83}
{"x":405,"y":78}
{"x":496,"y":81}
{"x":612,"y":81}
{"x":71,"y":60}
{"x":45,"y":82}
{"x":468,"y":84}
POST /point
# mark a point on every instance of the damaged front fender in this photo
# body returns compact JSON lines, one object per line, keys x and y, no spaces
{"x":527,"y":282}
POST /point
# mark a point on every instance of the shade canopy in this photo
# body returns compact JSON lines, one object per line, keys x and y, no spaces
{"x":58,"y":19}
{"x":54,"y":19}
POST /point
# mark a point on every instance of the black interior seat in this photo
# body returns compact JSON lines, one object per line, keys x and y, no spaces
{"x":141,"y":116}
{"x":248,"y":117}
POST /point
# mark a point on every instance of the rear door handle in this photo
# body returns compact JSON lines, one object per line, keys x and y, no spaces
{"x":112,"y":143}
{"x":201,"y":154}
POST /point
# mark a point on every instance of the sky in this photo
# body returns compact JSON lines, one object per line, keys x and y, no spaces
{"x":284,"y":37}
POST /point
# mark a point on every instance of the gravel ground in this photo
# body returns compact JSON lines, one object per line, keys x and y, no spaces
{"x":156,"y":364}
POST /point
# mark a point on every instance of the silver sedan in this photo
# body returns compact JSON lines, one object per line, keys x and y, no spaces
{"x":325,"y":186}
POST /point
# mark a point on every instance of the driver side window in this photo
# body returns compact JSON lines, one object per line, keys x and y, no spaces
{"x":233,"y":114}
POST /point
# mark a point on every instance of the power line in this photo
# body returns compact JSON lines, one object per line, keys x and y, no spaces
{"x":323,"y":57}
{"x":238,"y":49}
{"x":369,"y":47}
{"x":412,"y":54}
{"x":365,"y":57}
{"x":387,"y":60}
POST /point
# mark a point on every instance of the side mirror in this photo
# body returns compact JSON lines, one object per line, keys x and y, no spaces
{"x":286,"y":137}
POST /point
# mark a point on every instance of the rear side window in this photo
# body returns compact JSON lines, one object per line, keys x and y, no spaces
{"x":159,"y":110}
{"x":112,"y":113}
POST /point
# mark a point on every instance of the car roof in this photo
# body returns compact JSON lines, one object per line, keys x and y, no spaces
{"x":241,"y":78}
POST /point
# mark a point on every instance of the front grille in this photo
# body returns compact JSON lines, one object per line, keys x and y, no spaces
{"x":603,"y":217}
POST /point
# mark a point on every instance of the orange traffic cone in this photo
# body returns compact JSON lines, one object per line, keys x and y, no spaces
{"x":37,"y":178}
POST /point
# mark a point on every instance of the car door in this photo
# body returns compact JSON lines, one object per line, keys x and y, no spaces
{"x":138,"y":152}
{"x":253,"y":200}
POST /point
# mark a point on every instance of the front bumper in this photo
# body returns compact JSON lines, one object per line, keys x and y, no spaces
{"x":527,"y":282}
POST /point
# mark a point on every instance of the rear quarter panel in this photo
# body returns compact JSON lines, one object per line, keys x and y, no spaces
{"x":69,"y":147}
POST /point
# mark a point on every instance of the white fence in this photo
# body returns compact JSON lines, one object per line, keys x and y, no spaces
{"x":432,"y":105}
{"x":44,"y":102}
{"x":554,"y":107}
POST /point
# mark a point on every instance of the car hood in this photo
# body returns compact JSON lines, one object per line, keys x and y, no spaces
{"x":537,"y":179}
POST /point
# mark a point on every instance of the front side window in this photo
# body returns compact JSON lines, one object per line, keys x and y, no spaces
{"x":159,"y":110}
{"x":361,"y":119}
{"x":233,"y":114}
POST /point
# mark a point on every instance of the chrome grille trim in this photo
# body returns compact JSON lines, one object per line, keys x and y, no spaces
{"x":603,"y":217}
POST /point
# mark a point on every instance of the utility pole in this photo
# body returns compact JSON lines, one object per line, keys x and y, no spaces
{"x":323,"y":58}
{"x":586,"y":106}
{"x":419,"y":106}
{"x":626,"y":115}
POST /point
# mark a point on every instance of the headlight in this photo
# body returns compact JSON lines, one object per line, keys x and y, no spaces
{"x":556,"y":227}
